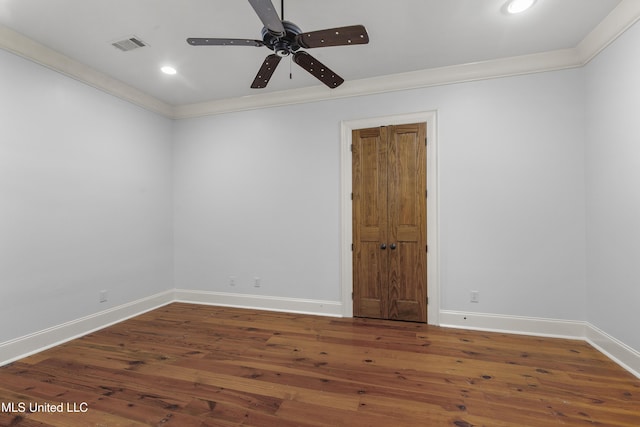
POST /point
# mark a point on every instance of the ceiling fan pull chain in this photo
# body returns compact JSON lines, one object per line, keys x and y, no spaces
{"x":290,"y":68}
{"x":282,"y":9}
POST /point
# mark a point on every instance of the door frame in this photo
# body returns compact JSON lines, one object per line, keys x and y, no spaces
{"x":346,"y":216}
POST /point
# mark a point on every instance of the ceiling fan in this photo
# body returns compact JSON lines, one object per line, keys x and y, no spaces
{"x":285,"y":38}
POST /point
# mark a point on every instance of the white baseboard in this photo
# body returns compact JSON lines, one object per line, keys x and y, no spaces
{"x":622,"y":354}
{"x":24,"y":346}
{"x":261,"y":302}
{"x":10,"y":351}
{"x":521,"y":325}
{"x":614,"y":349}
{"x":27,"y":345}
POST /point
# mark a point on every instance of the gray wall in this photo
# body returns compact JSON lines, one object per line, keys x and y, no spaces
{"x":537,"y":174}
{"x":85,"y":199}
{"x":257,"y":194}
{"x":613,"y":189}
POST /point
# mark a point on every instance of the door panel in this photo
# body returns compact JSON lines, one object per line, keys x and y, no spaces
{"x":370,"y":222}
{"x":408,"y":293}
{"x":389,"y":205}
{"x":407,"y":222}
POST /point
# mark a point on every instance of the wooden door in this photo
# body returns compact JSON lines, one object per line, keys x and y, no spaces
{"x":370,"y":228}
{"x":390,"y":222}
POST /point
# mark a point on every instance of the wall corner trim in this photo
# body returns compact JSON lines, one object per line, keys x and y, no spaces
{"x":617,"y":22}
{"x":617,"y":351}
{"x":260,"y":302}
{"x":620,"y":353}
{"x":24,"y":346}
{"x":23,"y":46}
{"x":460,"y":73}
{"x":614,"y":349}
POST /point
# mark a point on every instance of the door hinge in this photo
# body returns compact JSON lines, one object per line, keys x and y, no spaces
{"x":352,"y":247}
{"x":426,"y":140}
{"x":351,"y":296}
{"x":426,"y":193}
{"x":351,"y":148}
{"x":427,"y":299}
{"x":427,"y":248}
{"x":351,"y":196}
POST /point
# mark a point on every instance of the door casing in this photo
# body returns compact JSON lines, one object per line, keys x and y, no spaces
{"x":346,"y":258}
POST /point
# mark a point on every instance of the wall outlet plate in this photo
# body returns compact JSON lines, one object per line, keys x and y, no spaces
{"x":475,"y":296}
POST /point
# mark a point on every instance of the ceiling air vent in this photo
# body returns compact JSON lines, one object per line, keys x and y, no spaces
{"x":129,"y":44}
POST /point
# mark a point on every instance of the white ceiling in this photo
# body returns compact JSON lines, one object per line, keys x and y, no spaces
{"x":405,"y":35}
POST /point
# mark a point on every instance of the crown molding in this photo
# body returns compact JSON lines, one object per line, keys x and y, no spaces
{"x":617,"y":22}
{"x":25,"y":47}
{"x":526,"y":64}
{"x":613,"y":26}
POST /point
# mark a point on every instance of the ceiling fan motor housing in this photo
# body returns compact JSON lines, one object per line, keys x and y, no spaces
{"x":285,"y":45}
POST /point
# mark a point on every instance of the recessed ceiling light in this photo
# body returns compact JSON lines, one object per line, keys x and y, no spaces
{"x":168,"y":70}
{"x":518,"y":6}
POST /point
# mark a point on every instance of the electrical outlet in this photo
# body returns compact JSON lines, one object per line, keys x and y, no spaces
{"x":256,"y":282}
{"x":103,"y":296}
{"x":475,"y":296}
{"x":232,"y":280}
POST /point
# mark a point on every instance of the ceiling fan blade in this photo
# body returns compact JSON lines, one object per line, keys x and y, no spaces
{"x":269,"y":17}
{"x":266,"y":71}
{"x":223,"y":42}
{"x":341,"y":36}
{"x":317,"y":69}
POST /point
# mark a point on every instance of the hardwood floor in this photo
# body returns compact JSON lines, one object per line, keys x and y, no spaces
{"x":190,"y":365}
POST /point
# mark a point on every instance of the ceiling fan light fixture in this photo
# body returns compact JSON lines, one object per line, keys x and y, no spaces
{"x":519,"y":6}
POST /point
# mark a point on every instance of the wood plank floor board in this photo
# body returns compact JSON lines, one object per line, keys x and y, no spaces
{"x":116,"y":382}
{"x":139,"y":408}
{"x":131,"y":396}
{"x":190,"y":365}
{"x":301,"y":413}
